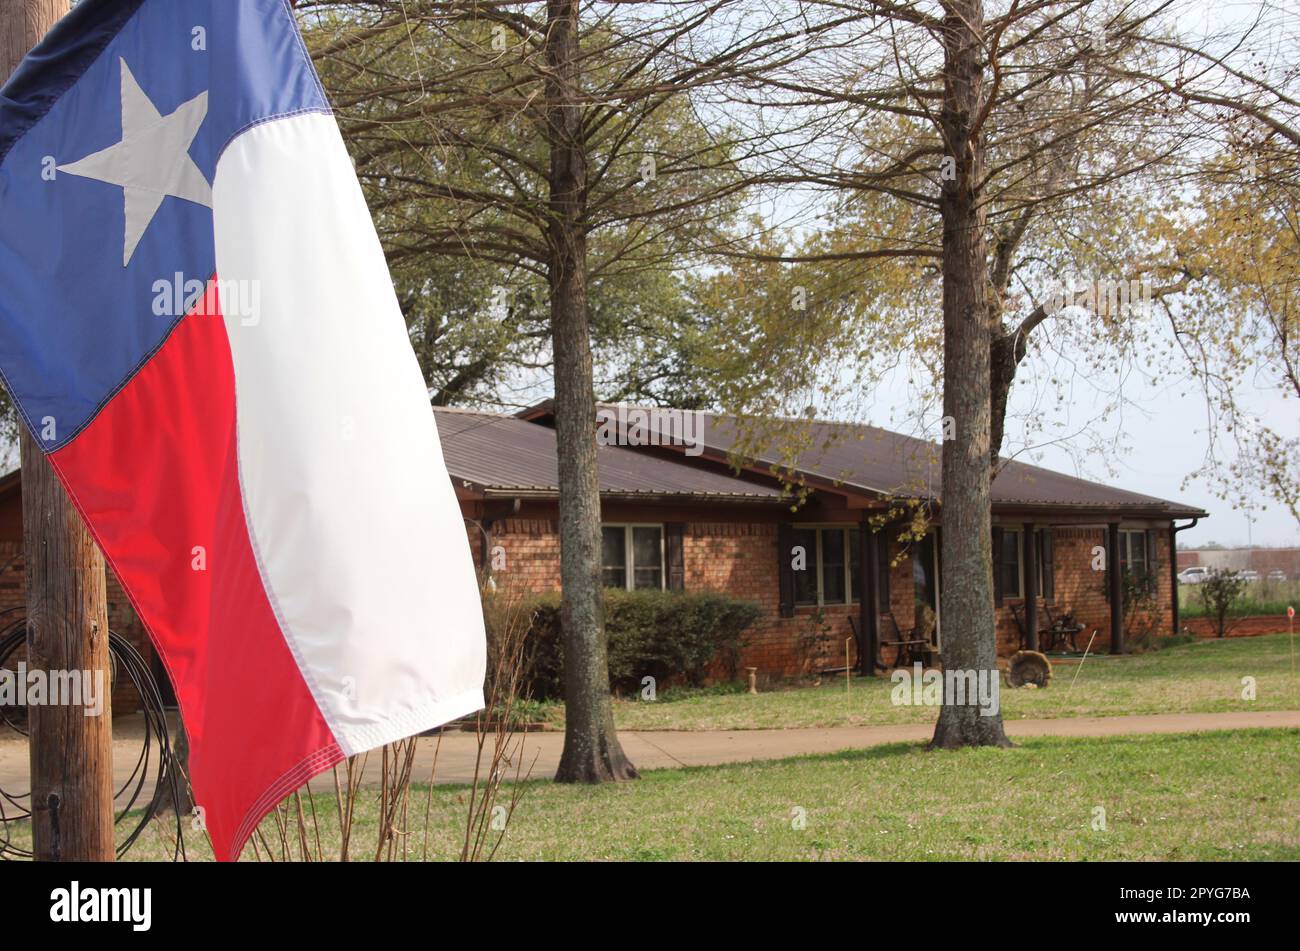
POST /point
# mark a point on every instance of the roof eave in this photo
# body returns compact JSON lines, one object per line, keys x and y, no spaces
{"x":539,"y":492}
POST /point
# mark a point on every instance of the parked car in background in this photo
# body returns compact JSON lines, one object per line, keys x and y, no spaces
{"x":1193,"y":575}
{"x":1250,"y":576}
{"x":1277,"y":574}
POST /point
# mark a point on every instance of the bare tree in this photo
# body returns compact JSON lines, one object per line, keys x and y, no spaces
{"x":971,"y":156}
{"x":560,"y":141}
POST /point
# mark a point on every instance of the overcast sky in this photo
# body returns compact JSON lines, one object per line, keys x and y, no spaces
{"x":1166,"y":440}
{"x":1157,"y":440}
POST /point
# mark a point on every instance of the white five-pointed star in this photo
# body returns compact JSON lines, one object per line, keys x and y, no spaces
{"x":152,"y":161}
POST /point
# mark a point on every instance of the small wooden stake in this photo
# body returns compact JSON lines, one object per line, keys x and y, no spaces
{"x":1290,"y":626}
{"x":1083,"y":658}
{"x":848,"y":670}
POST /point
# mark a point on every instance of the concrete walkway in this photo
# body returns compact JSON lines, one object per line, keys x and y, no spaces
{"x":657,"y":749}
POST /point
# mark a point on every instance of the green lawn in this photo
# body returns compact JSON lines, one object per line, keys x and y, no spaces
{"x":1202,"y":677}
{"x":1208,"y":796}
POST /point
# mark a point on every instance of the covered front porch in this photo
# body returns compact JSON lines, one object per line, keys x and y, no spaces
{"x":1053,"y":590}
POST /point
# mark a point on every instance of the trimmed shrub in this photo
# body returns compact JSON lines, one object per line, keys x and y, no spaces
{"x":671,"y":636}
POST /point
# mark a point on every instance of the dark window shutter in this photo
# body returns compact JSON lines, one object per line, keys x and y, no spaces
{"x":785,"y":576}
{"x":1151,"y":550}
{"x":1032,"y":537}
{"x":675,"y":555}
{"x":997,"y":566}
{"x":1049,"y":568}
{"x":884,"y":557}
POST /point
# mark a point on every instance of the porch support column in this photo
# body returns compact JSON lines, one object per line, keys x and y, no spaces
{"x":869,"y":606}
{"x":1031,"y":585}
{"x":1173,"y":572}
{"x":1115,"y":582}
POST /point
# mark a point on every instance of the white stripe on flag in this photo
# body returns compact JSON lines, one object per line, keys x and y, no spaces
{"x":356,"y":527}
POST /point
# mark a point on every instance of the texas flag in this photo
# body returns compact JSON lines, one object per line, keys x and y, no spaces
{"x":197,"y":324}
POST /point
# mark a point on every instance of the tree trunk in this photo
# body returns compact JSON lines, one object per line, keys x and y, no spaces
{"x":969,"y":637}
{"x":592,"y":752}
{"x":1005,"y":354}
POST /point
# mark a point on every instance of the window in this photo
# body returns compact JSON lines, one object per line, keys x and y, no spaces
{"x":855,"y":564}
{"x":613,"y":560}
{"x":1133,"y":552}
{"x":632,"y":556}
{"x":830,"y":565}
{"x":647,"y":556}
{"x":805,"y":580}
{"x":834,"y":566}
{"x":1007,"y":562}
{"x":1009,"y":579}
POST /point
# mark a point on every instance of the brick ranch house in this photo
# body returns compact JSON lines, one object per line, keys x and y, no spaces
{"x":686,"y":521}
{"x":682,"y":517}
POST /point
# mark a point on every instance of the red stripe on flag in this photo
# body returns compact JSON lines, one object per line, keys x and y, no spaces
{"x":156,"y":476}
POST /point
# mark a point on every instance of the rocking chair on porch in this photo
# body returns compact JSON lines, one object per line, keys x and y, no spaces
{"x":1061,"y":628}
{"x":910,"y":646}
{"x":1054,"y":634}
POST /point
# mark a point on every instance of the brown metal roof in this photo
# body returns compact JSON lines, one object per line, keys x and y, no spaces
{"x":506,"y":455}
{"x":867,"y":458}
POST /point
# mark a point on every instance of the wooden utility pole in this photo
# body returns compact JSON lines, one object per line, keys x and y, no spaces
{"x":67,"y":624}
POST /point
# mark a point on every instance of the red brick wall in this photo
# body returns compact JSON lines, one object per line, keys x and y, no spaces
{"x":1080,"y":590}
{"x":738,"y":558}
{"x":733,"y":558}
{"x":1238,"y":627}
{"x":530,"y":548}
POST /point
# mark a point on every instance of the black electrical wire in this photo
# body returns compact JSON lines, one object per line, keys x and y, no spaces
{"x":123,"y":657}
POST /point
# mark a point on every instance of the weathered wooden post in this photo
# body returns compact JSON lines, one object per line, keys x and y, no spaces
{"x":67,"y":624}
